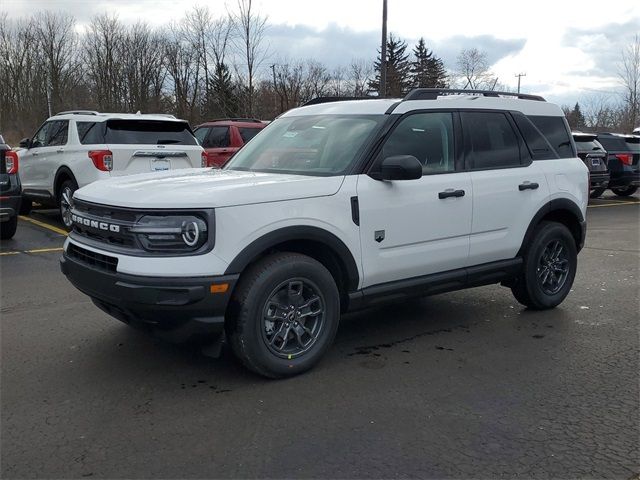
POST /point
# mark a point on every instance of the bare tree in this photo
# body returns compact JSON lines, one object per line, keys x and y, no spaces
{"x":250,"y":27}
{"x":473,"y":70}
{"x":629,"y":73}
{"x":360,"y":74}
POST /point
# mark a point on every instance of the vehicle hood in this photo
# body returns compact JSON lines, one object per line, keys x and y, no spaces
{"x":205,"y":188}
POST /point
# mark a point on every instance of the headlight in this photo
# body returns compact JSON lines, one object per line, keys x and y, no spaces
{"x":171,"y":233}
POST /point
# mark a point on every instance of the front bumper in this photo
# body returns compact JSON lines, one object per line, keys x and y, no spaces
{"x":174,"y":308}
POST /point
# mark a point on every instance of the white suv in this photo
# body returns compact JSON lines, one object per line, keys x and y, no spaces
{"x":334,"y":207}
{"x":73,"y":149}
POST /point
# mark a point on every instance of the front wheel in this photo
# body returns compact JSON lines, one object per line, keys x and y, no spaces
{"x":625,"y":191}
{"x":64,"y":202}
{"x":284,"y":315}
{"x":550,"y":264}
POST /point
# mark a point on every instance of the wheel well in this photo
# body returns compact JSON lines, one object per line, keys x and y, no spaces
{"x":62,"y":176}
{"x":566,"y":217}
{"x":321,"y":252}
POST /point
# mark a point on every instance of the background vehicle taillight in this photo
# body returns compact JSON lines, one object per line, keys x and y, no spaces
{"x":11,"y":159}
{"x":203,"y":161}
{"x":102,"y":159}
{"x":625,"y":158}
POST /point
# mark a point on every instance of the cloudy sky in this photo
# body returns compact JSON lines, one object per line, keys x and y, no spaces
{"x":569,"y":50}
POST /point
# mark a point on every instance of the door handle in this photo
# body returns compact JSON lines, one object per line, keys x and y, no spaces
{"x":450,"y":192}
{"x":35,"y":154}
{"x":60,"y":150}
{"x":528,"y":186}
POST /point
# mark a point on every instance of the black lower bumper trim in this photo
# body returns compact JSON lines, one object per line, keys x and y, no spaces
{"x":178,"y":309}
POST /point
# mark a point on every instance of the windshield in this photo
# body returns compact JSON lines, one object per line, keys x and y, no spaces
{"x":323,"y":145}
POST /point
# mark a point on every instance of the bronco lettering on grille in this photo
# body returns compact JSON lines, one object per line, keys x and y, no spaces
{"x":86,"y":222}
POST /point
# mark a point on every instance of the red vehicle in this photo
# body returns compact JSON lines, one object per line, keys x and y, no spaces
{"x":222,"y":138}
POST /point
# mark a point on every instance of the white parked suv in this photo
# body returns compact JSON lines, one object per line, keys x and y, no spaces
{"x":334,"y":207}
{"x":73,"y":149}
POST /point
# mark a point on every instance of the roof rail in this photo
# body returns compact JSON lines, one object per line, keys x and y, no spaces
{"x":434,"y":93}
{"x":319,"y":100}
{"x":77,"y":112}
{"x":247,"y":120}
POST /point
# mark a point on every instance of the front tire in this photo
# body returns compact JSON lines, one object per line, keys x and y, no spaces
{"x":284,"y":315}
{"x":64,"y":202}
{"x":8,"y":228}
{"x":550,"y":264}
{"x":625,"y":191}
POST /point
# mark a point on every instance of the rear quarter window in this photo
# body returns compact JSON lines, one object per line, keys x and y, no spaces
{"x":90,"y":133}
{"x":248,"y":133}
{"x":556,"y":131}
{"x":148,"y":132}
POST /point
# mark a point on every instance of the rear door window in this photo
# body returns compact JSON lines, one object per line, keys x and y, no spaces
{"x":555,"y":129}
{"x":148,"y":132}
{"x":58,"y":133}
{"x":248,"y":133}
{"x":491,"y":141}
{"x":218,"y":138}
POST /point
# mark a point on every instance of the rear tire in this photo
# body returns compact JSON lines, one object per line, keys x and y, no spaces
{"x":597,"y":192}
{"x":550,"y":264}
{"x":64,"y":202}
{"x":8,"y":228}
{"x":284,"y":315}
{"x":25,"y":206}
{"x":625,"y":191}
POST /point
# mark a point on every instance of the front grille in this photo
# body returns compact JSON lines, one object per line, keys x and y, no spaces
{"x":110,"y":215}
{"x":93,"y":259}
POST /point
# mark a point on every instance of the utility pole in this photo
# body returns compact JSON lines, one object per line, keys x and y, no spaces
{"x":520,"y":75}
{"x":383,"y":52}
{"x":275,"y":92}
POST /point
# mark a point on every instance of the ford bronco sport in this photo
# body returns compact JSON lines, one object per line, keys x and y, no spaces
{"x":334,"y":207}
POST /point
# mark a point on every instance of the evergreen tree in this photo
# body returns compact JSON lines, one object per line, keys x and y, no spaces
{"x":427,"y":70}
{"x":575,"y":117}
{"x":224,"y":91}
{"x":398,"y":69}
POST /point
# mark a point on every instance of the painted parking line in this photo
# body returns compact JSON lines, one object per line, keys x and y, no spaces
{"x":52,"y":228}
{"x":614,"y":204}
{"x":35,"y":250}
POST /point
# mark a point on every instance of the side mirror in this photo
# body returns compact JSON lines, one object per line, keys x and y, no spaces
{"x":400,"y":167}
{"x":25,"y":143}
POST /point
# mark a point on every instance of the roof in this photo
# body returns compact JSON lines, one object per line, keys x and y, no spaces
{"x":528,"y":106}
{"x":239,"y":122}
{"x":90,"y":116}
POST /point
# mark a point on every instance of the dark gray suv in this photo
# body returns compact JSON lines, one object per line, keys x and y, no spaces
{"x":10,"y":191}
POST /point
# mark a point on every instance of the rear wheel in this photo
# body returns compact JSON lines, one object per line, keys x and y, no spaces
{"x":597,"y":192}
{"x":550,"y":265}
{"x":8,"y":228}
{"x":625,"y":191}
{"x":284,"y":316}
{"x":64,"y":202}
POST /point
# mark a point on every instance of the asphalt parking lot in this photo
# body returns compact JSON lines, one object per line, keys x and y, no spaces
{"x":460,"y":385}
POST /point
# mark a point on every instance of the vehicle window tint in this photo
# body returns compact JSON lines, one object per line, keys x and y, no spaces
{"x":201,"y":135}
{"x":218,"y":138}
{"x":586,"y":144}
{"x":90,"y":133}
{"x":426,"y":136}
{"x":612,"y":143}
{"x":248,"y":133}
{"x":492,"y":142}
{"x":41,"y":136}
{"x":556,"y":130}
{"x":148,"y":132}
{"x":58,"y":133}
{"x":539,"y":147}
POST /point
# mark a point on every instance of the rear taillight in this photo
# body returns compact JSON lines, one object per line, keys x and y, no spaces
{"x":203,"y":159}
{"x":102,"y":159}
{"x":625,"y":158}
{"x":11,"y":159}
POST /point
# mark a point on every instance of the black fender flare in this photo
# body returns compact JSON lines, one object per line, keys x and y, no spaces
{"x":298,"y":233}
{"x":559,"y":204}
{"x":63,"y":170}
